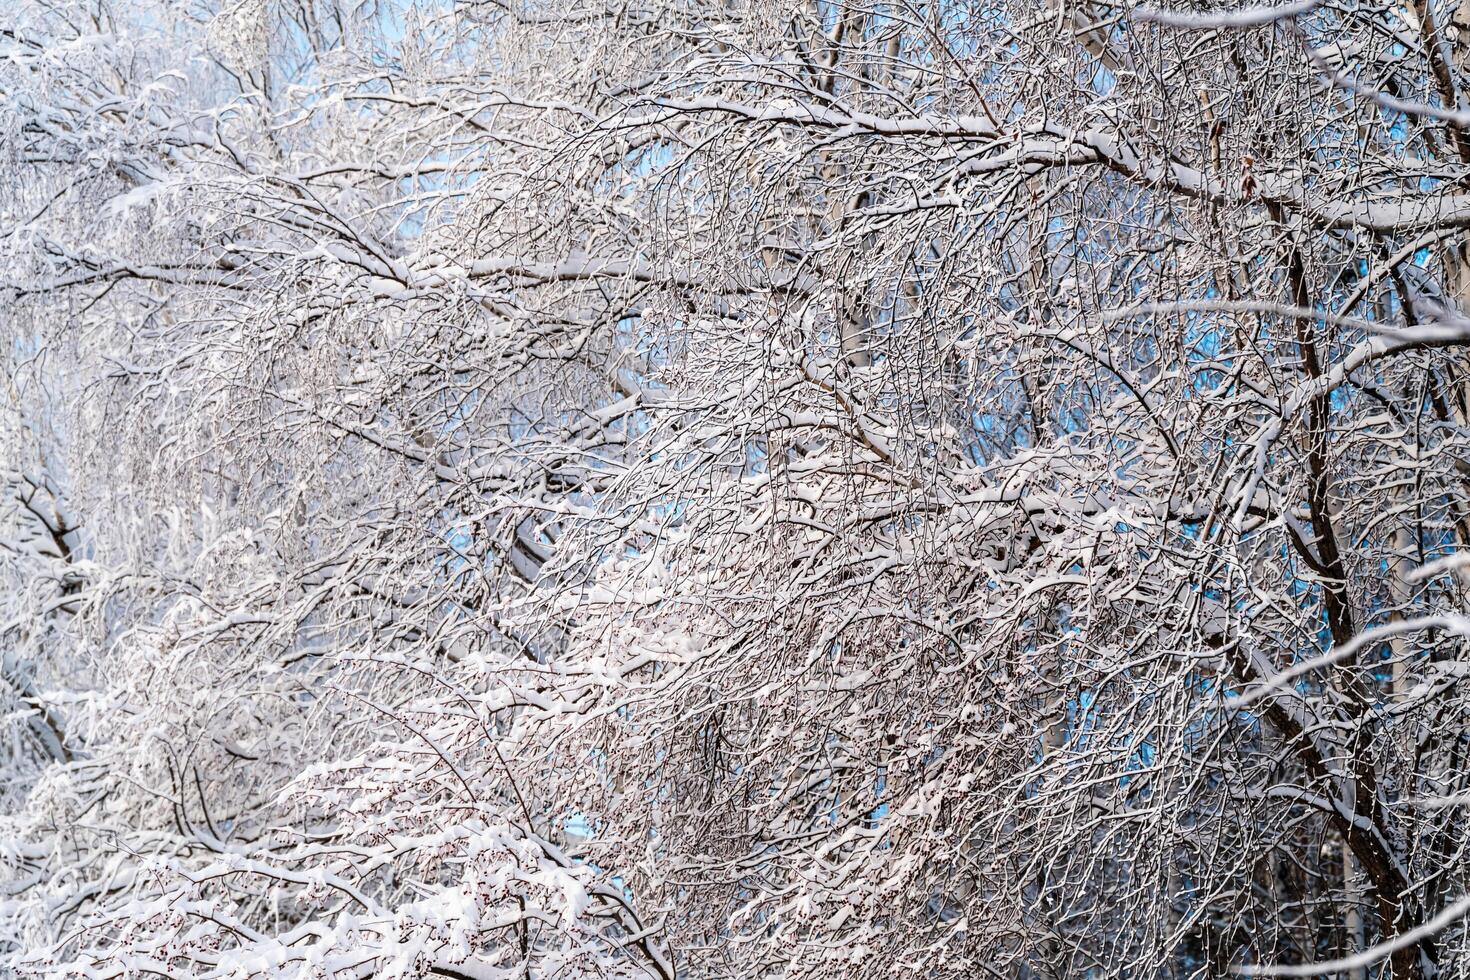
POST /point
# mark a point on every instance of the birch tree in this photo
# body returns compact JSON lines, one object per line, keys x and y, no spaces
{"x":735,"y":489}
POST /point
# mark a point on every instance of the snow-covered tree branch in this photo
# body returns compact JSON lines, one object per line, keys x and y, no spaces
{"x":555,"y":488}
